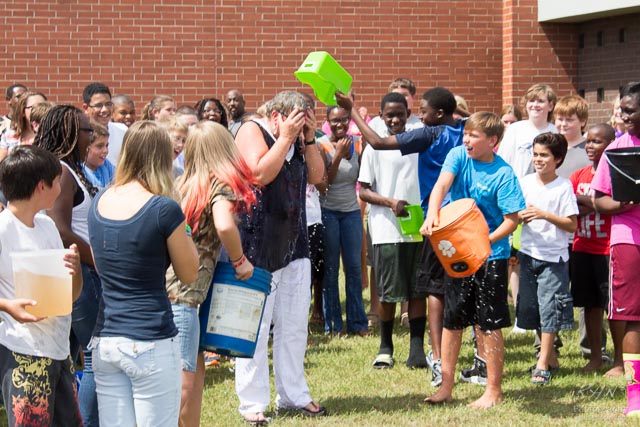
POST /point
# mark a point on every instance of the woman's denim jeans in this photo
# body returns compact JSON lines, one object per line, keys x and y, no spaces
{"x":138,"y":382}
{"x":343,"y":234}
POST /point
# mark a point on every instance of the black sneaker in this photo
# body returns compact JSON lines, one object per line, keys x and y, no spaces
{"x":477,"y":374}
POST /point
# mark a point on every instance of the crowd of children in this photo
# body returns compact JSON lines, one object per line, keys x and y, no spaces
{"x":147,"y":207}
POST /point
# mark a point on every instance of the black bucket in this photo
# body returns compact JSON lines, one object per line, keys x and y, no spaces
{"x":624,"y":167}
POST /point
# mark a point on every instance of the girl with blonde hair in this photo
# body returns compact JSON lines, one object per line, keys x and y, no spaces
{"x":217,"y":183}
{"x":136,"y":231}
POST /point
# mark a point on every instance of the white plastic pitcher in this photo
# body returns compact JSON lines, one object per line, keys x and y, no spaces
{"x":42,"y":276}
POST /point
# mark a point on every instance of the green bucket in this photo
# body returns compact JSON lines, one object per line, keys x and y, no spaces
{"x":411,"y":224}
{"x":320,"y":71}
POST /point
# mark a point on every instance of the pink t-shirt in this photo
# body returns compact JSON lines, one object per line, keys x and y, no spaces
{"x":625,"y":226}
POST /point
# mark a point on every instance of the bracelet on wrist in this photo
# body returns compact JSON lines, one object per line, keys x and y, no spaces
{"x":239,"y":262}
{"x":312,"y":142}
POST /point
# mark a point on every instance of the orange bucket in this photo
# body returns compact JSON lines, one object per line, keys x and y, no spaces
{"x":461,"y":241}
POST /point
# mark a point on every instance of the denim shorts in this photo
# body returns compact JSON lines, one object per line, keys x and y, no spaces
{"x":186,"y":319}
{"x":544,"y":299}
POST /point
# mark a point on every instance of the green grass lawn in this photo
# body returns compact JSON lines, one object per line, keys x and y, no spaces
{"x":340,"y":376}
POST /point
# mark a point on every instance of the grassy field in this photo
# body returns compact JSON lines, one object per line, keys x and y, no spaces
{"x":340,"y":376}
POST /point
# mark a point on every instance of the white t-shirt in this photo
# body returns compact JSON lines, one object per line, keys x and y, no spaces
{"x":377,"y":124}
{"x":390,"y":174}
{"x":116,"y":135}
{"x":516,"y":147}
{"x":540,"y":239}
{"x":48,"y":337}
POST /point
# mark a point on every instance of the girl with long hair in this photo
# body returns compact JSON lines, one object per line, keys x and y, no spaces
{"x":137,"y":230}
{"x":217,"y":184}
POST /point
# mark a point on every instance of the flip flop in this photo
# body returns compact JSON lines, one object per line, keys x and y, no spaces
{"x":319,"y":411}
{"x":256,"y":419}
{"x":383,"y":361}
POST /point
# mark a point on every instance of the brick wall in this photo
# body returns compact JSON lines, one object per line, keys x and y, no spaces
{"x":204,"y":48}
{"x":536,"y":53}
{"x":610,"y":65}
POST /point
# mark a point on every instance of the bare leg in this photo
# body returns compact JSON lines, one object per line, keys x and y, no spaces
{"x":491,"y":349}
{"x":451,"y":341}
{"x":548,"y":358}
{"x":191,"y":400}
{"x":514,"y":280}
{"x":435,"y":313}
{"x":593,"y":325}
{"x":617,"y":328}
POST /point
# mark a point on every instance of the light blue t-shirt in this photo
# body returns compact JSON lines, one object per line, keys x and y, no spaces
{"x":494,"y":187}
{"x":433,"y":143}
{"x":102,"y":176}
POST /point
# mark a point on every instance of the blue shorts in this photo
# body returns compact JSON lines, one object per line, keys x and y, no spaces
{"x":186,"y":319}
{"x":544,"y":299}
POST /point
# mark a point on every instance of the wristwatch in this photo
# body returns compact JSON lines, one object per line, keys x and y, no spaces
{"x":312,"y":142}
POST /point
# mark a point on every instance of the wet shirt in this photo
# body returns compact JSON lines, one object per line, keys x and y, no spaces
{"x":208,"y":245}
{"x":275,"y":232}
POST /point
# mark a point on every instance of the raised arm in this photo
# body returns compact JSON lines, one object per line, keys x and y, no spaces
{"x":266,"y":163}
{"x":372,"y":138}
{"x":440,"y":190}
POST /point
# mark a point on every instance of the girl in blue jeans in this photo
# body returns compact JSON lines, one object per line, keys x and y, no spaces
{"x":343,"y":227}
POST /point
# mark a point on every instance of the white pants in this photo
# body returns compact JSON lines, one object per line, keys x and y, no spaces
{"x":288,"y":308}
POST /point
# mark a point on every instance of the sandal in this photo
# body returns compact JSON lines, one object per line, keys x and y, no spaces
{"x":315,"y":411}
{"x":256,"y":418}
{"x":553,"y":369}
{"x":536,"y":374}
{"x":383,"y":361}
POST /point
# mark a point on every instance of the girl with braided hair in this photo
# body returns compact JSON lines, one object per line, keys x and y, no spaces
{"x":66,"y":132}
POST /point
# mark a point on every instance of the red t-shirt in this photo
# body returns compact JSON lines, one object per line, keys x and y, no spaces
{"x":594,"y":229}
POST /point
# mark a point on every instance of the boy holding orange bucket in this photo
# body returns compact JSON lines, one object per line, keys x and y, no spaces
{"x":475,"y":171}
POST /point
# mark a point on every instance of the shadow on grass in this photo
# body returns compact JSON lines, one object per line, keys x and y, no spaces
{"x":384,"y":404}
{"x":560,"y":401}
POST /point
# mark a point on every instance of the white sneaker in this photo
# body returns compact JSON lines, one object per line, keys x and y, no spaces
{"x":517,"y":330}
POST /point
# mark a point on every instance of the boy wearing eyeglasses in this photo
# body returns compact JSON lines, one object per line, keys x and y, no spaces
{"x":97,"y":105}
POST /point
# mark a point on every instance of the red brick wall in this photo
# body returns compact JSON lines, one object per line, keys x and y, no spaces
{"x":536,"y":53}
{"x":204,"y":48}
{"x":608,"y":66}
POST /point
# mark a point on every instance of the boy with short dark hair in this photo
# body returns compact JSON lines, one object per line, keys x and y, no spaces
{"x":389,"y":182}
{"x":589,"y":259}
{"x":475,"y":171}
{"x":34,"y":349}
{"x":432,"y":142}
{"x":550,"y":219}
